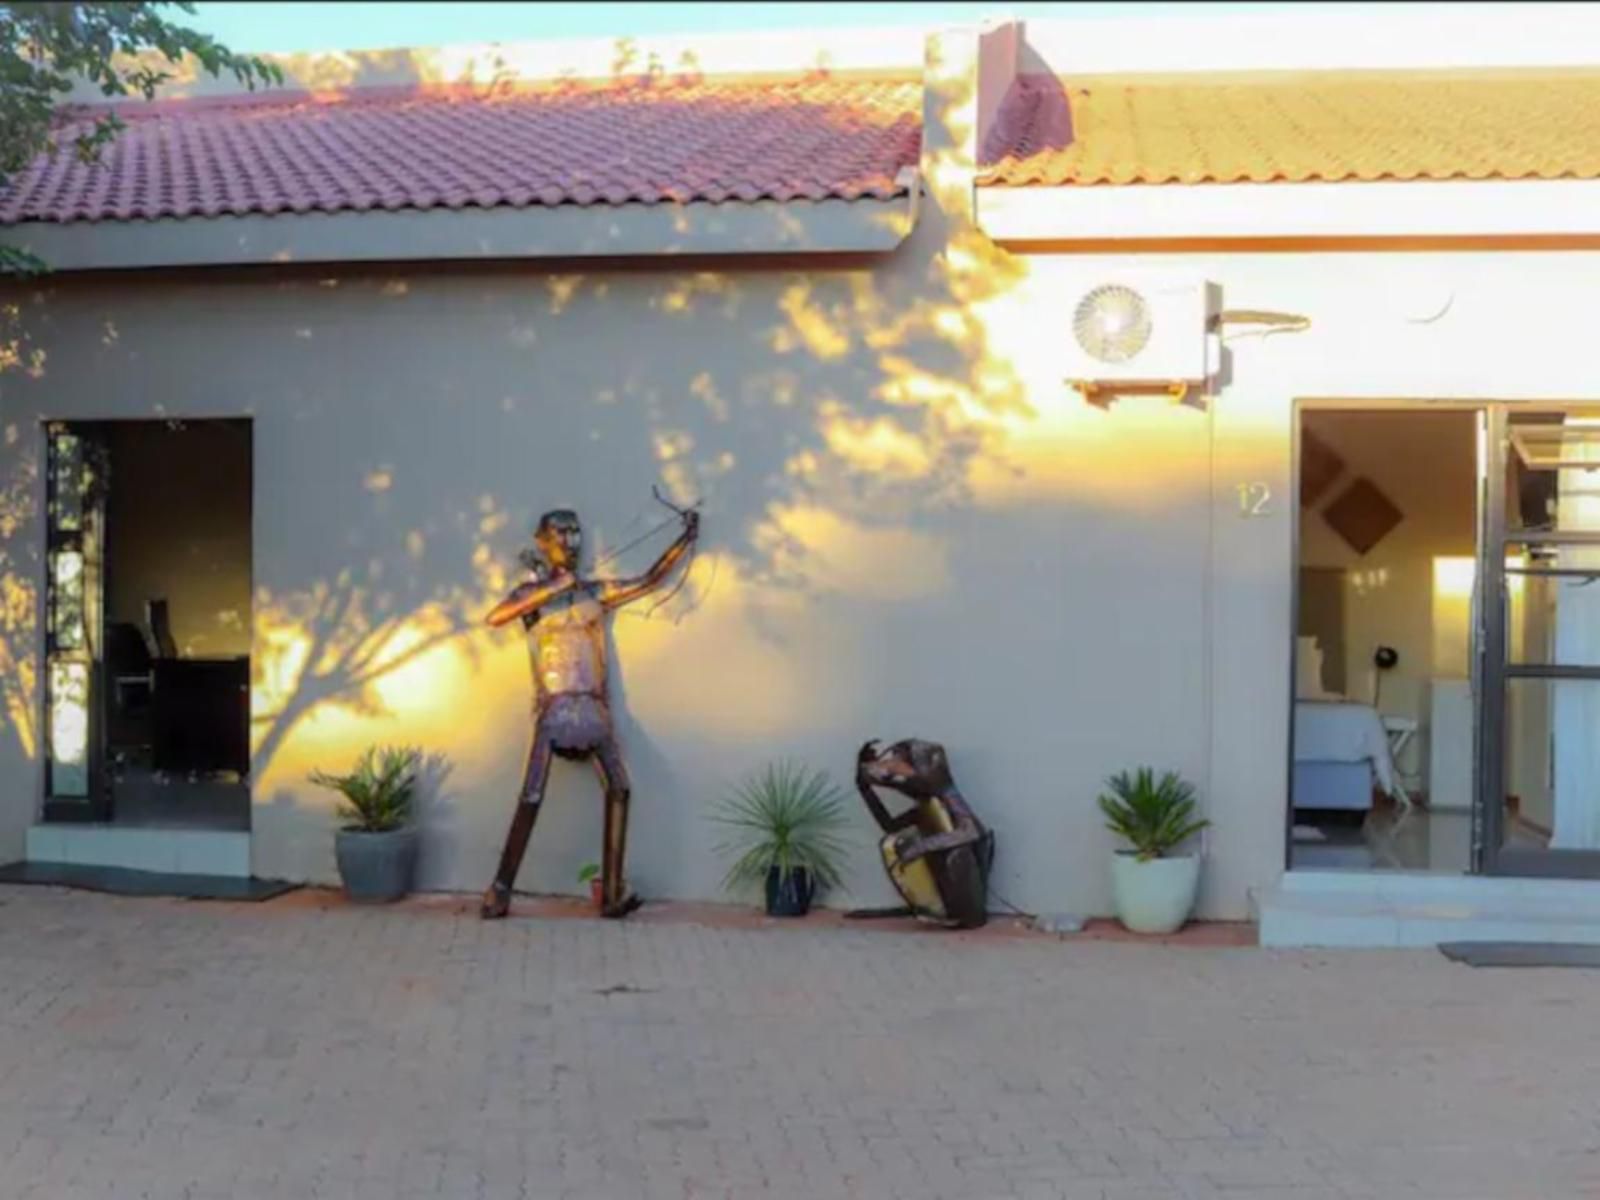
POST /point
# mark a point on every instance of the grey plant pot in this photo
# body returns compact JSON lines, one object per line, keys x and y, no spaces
{"x":376,"y":867}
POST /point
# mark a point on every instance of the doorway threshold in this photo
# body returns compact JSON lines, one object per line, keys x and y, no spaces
{"x":169,"y":851}
{"x":1402,"y":908}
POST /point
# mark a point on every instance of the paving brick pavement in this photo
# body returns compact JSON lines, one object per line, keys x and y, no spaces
{"x":189,"y":1051}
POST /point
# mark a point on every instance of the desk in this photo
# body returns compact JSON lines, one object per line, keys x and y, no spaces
{"x":200,"y":714}
{"x":1400,"y":731}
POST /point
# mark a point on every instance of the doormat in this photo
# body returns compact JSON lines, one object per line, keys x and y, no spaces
{"x":120,"y":881}
{"x":1521,"y":954}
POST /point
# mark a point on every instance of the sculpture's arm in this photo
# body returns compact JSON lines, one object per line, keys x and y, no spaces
{"x":886,"y":822}
{"x":614,"y":593}
{"x":880,"y":814}
{"x":527,"y":597}
{"x":967,"y":830}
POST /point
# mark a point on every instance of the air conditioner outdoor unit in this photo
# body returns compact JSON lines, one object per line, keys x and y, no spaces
{"x":1128,"y":329}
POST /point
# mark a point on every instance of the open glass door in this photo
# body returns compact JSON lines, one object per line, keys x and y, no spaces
{"x":74,"y":784}
{"x":1539,"y":733}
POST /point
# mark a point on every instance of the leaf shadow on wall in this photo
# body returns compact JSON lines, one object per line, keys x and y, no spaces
{"x":412,"y":423}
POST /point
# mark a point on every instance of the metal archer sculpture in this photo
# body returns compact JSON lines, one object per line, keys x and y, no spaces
{"x":564,"y":615}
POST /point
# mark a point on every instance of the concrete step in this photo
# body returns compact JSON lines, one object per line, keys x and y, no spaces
{"x":175,"y":851}
{"x":1397,"y":908}
{"x":1375,"y":909}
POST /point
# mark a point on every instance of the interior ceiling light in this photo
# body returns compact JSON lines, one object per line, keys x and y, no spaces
{"x":1112,"y":323}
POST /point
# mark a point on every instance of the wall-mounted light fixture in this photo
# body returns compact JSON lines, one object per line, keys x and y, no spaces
{"x":1384,"y":658}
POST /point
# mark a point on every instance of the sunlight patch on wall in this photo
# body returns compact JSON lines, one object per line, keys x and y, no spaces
{"x":356,"y":658}
{"x":877,"y":446}
{"x":822,"y":333}
{"x":435,"y":684}
{"x":279,"y":654}
{"x":19,"y":600}
{"x":18,"y":665}
{"x":425,"y":684}
{"x":680,"y":297}
{"x":21,"y":699}
{"x":744,"y":661}
{"x":824,"y":550}
{"x":562,"y":289}
{"x":1454,"y":580}
{"x":704,"y":389}
{"x":669,"y":444}
{"x":17,"y":353}
{"x":908,"y":384}
{"x":1146,"y":454}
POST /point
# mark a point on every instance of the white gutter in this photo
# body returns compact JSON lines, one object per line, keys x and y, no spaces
{"x":565,"y":231}
{"x":1464,"y":208}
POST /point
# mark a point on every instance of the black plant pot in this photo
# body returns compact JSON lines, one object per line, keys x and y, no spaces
{"x":789,"y":895}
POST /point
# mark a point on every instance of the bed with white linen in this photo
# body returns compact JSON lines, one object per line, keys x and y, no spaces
{"x":1341,"y":754}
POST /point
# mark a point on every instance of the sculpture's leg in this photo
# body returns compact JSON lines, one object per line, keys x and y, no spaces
{"x":614,"y":779}
{"x":497,"y":900}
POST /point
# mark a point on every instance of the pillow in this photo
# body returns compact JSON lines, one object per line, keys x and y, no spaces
{"x":1308,"y":670}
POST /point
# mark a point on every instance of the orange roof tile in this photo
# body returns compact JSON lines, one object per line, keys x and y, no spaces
{"x":1272,"y":127}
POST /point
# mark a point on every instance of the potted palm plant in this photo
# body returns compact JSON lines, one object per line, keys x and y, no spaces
{"x":376,"y":847}
{"x":1154,"y":888}
{"x":782,"y":827}
{"x":589,"y":877}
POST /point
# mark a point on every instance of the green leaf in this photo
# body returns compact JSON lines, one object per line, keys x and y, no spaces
{"x":116,"y":48}
{"x":378,"y":792}
{"x":783,"y":816}
{"x":1153,"y":816}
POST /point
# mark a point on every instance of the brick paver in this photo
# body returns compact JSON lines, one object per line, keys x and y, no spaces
{"x":172,"y":1050}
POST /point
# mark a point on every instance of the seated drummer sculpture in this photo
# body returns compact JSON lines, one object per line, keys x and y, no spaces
{"x":565,"y":618}
{"x":937,"y":853}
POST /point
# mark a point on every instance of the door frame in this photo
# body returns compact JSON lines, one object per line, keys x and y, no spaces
{"x":1488,"y":666}
{"x":99,"y":804}
{"x":1298,"y":408}
{"x":1492,"y":855}
{"x":84,"y":538}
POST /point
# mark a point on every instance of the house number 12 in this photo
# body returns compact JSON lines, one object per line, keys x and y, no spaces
{"x":1255,"y":499}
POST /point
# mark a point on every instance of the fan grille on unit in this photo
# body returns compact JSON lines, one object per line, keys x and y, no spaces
{"x":1112,"y":323}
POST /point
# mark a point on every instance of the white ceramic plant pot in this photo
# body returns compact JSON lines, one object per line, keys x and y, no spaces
{"x":1155,"y":896}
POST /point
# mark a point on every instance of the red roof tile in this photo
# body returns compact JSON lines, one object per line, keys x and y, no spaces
{"x":421,"y":149}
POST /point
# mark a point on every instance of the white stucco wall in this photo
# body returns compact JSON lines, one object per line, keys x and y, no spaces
{"x":912,"y":526}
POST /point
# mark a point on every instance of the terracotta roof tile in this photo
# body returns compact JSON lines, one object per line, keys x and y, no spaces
{"x":1298,"y":126}
{"x":637,"y":141}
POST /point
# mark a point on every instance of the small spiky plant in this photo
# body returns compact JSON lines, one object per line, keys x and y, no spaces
{"x":377,"y":792}
{"x":1153,"y":816}
{"x":784,"y":816}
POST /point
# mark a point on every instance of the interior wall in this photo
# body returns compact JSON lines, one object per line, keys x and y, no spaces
{"x":178,"y":526}
{"x":1412,"y":590}
{"x":1321,"y":616}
